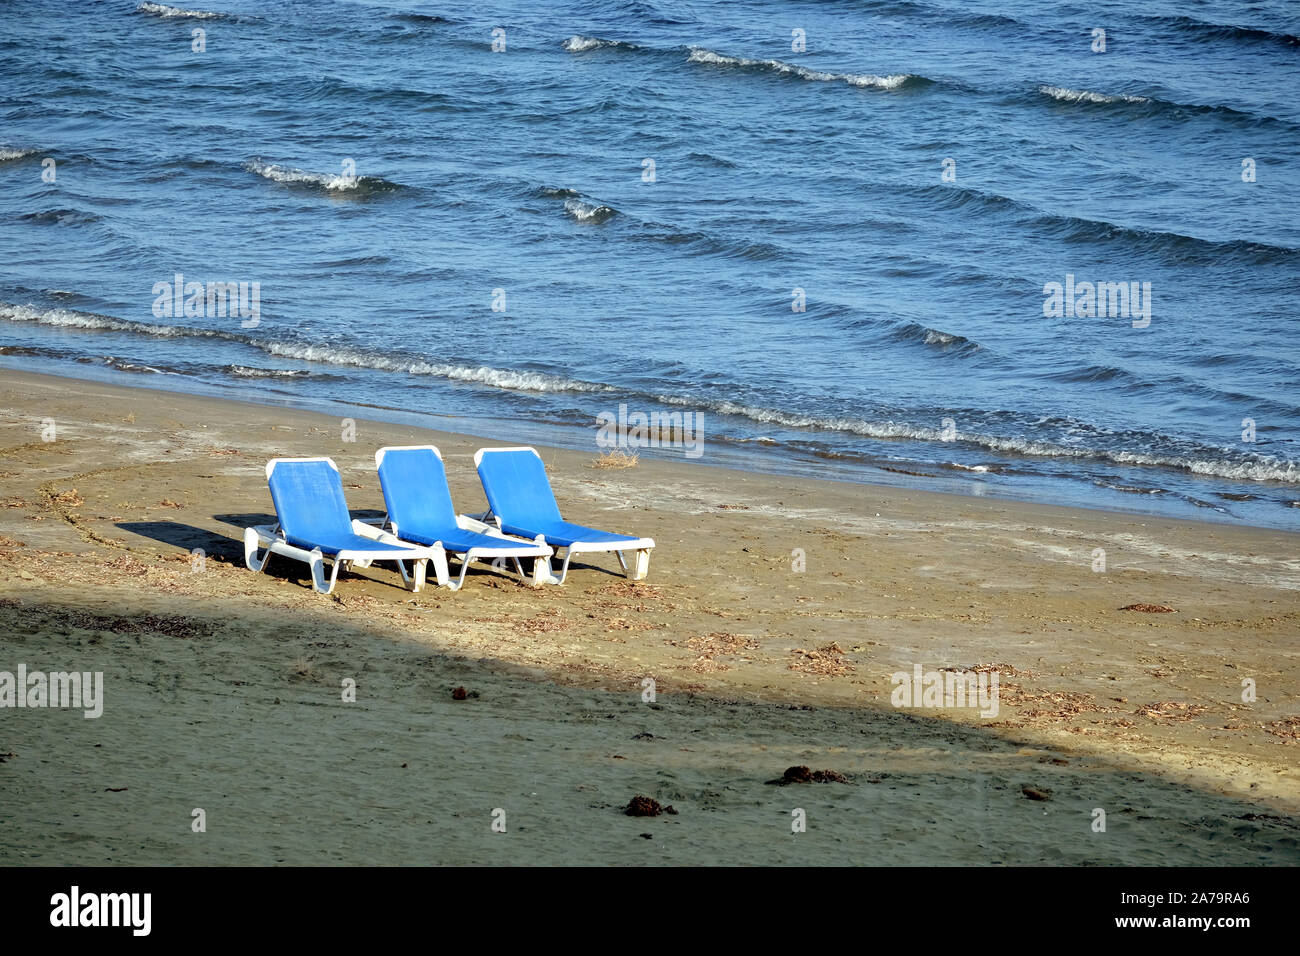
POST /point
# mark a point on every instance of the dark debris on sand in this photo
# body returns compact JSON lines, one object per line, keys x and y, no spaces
{"x":803,"y":774}
{"x":647,"y":807}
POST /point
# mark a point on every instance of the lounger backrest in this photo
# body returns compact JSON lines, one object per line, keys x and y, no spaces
{"x":309,"y":502}
{"x":415,"y":488}
{"x":517,"y":489}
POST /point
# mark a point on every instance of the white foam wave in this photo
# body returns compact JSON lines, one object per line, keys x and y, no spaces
{"x":581,"y":44}
{"x":243,"y":371}
{"x":935,"y":337}
{"x":1087,"y":96}
{"x":288,"y":174}
{"x":482,"y":374}
{"x":323,"y":354}
{"x":587,"y":211}
{"x":1254,"y":469}
{"x":892,"y":82}
{"x":163,"y":10}
{"x":8,"y":153}
{"x":72,"y":319}
{"x":122,"y":365}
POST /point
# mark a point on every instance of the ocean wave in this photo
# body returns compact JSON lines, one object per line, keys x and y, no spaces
{"x":1159,"y":104}
{"x":480,"y":374}
{"x":244,"y":371}
{"x":514,"y":379}
{"x":1077,"y":229}
{"x":1253,"y":469}
{"x":331,"y":182}
{"x":8,"y":153}
{"x":138,"y":368}
{"x":712,"y":160}
{"x":60,"y":217}
{"x":1183,"y":248}
{"x":891,"y":82}
{"x":582,"y":211}
{"x":940,"y":338}
{"x":1087,"y":96}
{"x":1199,"y":460}
{"x":915,"y":333}
{"x":581,"y":44}
{"x":93,"y":321}
{"x":709,"y":244}
{"x":163,"y":10}
{"x":420,"y":18}
{"x":1214,"y":32}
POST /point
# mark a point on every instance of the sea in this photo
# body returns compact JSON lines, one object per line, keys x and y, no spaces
{"x":1046,"y":251}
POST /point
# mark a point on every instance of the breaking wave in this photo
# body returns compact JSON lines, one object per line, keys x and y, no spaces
{"x":581,"y":44}
{"x":331,"y":182}
{"x":891,"y":82}
{"x":591,"y":212}
{"x":1087,"y":96}
{"x":163,"y":10}
{"x":1257,"y":469}
{"x":519,"y":380}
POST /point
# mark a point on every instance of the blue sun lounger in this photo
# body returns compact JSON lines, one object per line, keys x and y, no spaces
{"x":314,"y":523}
{"x":420,"y":511}
{"x":522,"y":503}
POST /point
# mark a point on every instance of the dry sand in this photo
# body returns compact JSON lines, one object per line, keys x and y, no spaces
{"x":223,"y":687}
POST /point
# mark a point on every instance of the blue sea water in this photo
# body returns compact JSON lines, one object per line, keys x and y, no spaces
{"x":386,"y":177}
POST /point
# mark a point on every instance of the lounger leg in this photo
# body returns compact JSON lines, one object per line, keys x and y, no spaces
{"x":250,"y":551}
{"x":464,"y":568}
{"x":564,"y":568}
{"x":642,"y":565}
{"x":317,"y":564}
{"x":542,"y":573}
{"x":440,"y":571}
{"x":421,"y":569}
{"x":622,"y":561}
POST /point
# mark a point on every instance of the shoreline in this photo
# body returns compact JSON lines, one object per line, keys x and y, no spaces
{"x":736,"y":454}
{"x":96,"y":545}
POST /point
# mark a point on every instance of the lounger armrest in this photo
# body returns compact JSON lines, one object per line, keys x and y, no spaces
{"x":471,"y":523}
{"x":409,"y":553}
{"x":377,"y":533}
{"x":635,"y":544}
{"x":474,"y":523}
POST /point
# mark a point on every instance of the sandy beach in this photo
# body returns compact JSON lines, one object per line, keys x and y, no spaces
{"x":775,"y":612}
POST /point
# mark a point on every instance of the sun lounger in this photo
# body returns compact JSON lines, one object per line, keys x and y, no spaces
{"x":523,"y":504}
{"x":420,"y":511}
{"x":314,"y":524}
